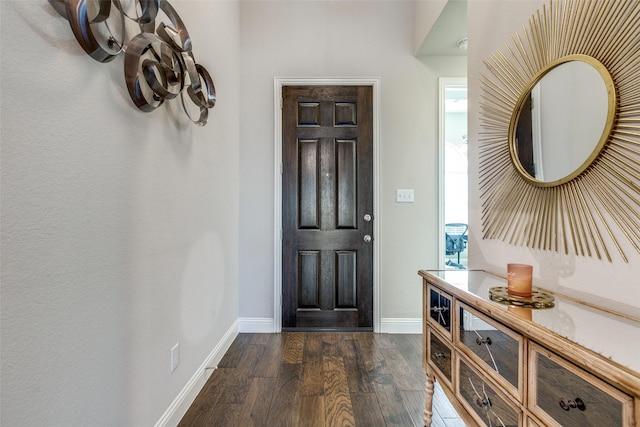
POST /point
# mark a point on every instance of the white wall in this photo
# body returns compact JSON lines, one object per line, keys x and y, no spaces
{"x":491,"y":25}
{"x":342,"y":39}
{"x":119,"y":228}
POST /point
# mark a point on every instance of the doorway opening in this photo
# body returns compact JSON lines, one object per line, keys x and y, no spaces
{"x":453,"y":174}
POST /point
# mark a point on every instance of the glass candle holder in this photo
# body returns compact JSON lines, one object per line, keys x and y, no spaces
{"x":519,"y":280}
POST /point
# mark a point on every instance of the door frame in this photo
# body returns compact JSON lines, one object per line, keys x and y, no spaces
{"x":278,"y":83}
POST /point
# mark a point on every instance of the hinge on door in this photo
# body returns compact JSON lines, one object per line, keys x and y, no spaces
{"x":281,"y":102}
{"x":281,"y":168}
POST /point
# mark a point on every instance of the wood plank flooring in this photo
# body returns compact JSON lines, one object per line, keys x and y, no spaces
{"x":328,"y":379}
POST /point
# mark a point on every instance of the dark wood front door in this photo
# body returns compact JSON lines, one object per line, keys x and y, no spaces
{"x":327,"y":207}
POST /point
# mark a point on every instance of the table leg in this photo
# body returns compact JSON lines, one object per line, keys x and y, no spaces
{"x":428,"y":405}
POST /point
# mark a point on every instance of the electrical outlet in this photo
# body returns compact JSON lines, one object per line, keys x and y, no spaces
{"x":404,"y":196}
{"x":175,"y":356}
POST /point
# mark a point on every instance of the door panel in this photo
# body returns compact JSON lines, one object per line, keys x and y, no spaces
{"x":346,"y":178}
{"x":309,"y":184}
{"x":327,"y":188}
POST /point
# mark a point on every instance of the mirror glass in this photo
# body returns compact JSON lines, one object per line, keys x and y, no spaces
{"x":563,"y":122}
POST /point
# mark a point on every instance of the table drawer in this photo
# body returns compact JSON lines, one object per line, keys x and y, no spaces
{"x":439,"y":306}
{"x":440,"y":356}
{"x":565,"y":395}
{"x":492,"y":345}
{"x":478,"y":394}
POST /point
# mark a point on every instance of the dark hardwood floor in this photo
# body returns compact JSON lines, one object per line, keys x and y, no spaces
{"x":300,"y":379}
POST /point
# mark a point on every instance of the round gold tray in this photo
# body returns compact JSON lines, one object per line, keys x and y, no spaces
{"x":538,"y":299}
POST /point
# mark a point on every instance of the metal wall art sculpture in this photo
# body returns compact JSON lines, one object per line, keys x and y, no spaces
{"x":599,"y":203}
{"x":158,"y":66}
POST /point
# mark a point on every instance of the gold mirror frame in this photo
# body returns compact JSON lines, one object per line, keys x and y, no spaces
{"x":603,"y":137}
{"x":596,"y":206}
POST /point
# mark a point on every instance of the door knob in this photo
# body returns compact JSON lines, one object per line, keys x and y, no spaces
{"x":367,"y":238}
{"x":368,"y":217}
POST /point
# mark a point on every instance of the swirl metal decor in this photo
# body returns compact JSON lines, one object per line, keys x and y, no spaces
{"x":157,"y":66}
{"x":573,"y":215}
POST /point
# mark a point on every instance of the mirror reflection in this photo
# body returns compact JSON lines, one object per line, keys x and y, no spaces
{"x":562,"y":122}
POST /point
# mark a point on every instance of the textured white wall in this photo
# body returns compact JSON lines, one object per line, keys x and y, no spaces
{"x":491,"y":25}
{"x":343,"y":39}
{"x":119,"y":228}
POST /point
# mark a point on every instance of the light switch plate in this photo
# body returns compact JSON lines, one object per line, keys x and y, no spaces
{"x":404,"y":196}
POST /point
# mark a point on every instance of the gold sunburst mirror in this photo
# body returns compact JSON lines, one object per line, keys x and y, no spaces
{"x":560,"y":140}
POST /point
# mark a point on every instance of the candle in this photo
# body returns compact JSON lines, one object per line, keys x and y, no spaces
{"x":522,"y":312}
{"x":519,"y":279}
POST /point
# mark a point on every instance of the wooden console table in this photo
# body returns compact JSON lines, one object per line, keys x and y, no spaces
{"x":501,"y":364}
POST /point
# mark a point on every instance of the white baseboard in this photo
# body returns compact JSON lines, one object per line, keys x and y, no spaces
{"x":256,"y":325}
{"x":188,"y":394}
{"x":400,"y":326}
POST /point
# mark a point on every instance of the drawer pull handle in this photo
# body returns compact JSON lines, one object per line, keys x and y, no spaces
{"x":483,"y":402}
{"x":568,"y":404}
{"x":440,"y":355}
{"x":481,"y":341}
